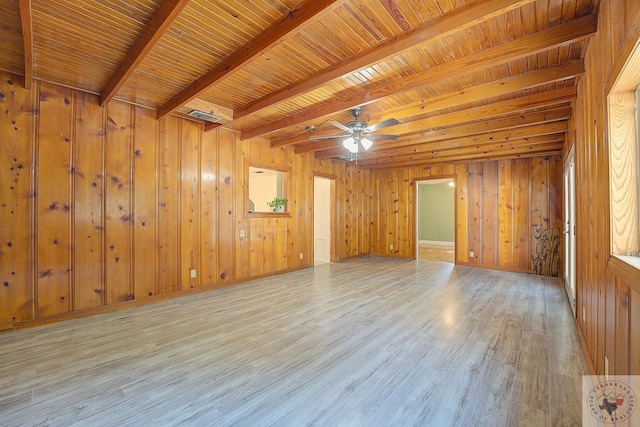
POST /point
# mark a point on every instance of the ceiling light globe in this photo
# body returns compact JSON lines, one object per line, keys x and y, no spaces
{"x":366,"y":143}
{"x":351,"y":145}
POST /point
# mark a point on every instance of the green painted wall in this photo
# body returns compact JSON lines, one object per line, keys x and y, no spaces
{"x":436,"y":214}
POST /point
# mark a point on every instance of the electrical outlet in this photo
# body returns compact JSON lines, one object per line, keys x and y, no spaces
{"x":391,"y":247}
{"x":193,"y":273}
{"x":471,"y":254}
{"x":241,"y":233}
{"x":301,"y":255}
{"x":606,"y":368}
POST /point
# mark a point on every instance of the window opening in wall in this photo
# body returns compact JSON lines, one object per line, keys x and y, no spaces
{"x":624,"y":158}
{"x":638,"y":151}
{"x":267,"y":190}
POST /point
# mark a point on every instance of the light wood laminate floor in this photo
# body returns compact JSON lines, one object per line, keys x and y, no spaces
{"x":370,"y":342}
{"x":435,"y":253}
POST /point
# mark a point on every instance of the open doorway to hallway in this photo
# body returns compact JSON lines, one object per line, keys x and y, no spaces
{"x":435,"y":220}
{"x":323,"y":219}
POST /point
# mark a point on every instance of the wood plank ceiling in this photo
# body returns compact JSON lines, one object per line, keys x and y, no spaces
{"x":466,"y":81}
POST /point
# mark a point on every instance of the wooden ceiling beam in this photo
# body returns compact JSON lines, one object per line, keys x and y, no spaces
{"x":160,"y":23}
{"x":27,"y":41}
{"x":292,"y":21}
{"x":551,"y":151}
{"x":460,"y":147}
{"x":512,"y":126}
{"x":477,"y":93}
{"x":520,"y":82}
{"x":473,"y":115}
{"x":457,"y":20}
{"x":515,"y":147}
{"x":211,"y":126}
{"x":415,"y":146}
{"x":531,"y":44}
{"x":469,"y":155}
{"x":503,"y":147}
{"x":523,"y":133}
{"x":470,"y":141}
{"x":510,"y":122}
{"x":319,"y":145}
{"x":524,"y":103}
{"x":299,"y":138}
{"x":489,"y":90}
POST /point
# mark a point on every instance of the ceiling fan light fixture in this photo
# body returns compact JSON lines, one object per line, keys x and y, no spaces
{"x":356,"y":132}
{"x":350,"y":144}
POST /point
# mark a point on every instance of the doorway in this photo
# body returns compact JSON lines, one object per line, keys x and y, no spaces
{"x":323,"y":222}
{"x":435,"y":220}
{"x":570,"y":229}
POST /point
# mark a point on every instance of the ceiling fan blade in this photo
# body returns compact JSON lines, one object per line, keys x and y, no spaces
{"x":380,"y":136}
{"x":383,"y":124}
{"x":340,"y":126}
{"x":333,"y":136}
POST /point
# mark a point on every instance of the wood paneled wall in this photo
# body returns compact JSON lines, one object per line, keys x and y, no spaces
{"x":498,"y":204}
{"x":608,"y":290}
{"x":107,"y":207}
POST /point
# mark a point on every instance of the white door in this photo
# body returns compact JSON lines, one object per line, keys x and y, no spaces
{"x":570,"y":230}
{"x":321,"y":219}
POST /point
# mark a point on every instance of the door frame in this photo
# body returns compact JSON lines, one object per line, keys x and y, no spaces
{"x":414,"y":223}
{"x":569,"y":227}
{"x":332,"y":215}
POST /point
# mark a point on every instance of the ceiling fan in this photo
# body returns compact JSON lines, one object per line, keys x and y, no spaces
{"x":357,"y":132}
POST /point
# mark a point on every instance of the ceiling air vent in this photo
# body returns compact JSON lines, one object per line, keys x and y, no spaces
{"x":204,"y":116}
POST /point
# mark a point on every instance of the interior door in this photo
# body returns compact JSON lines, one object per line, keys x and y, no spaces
{"x":322,"y":227}
{"x":570,"y":230}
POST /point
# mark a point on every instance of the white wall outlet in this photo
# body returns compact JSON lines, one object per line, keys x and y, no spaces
{"x":391,"y":247}
{"x":606,"y":368}
{"x":193,"y":273}
{"x":301,"y":255}
{"x":471,"y":254}
{"x":241,"y":233}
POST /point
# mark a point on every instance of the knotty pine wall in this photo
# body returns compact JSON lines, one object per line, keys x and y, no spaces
{"x":608,"y":290}
{"x":108,"y":207}
{"x":498,"y":203}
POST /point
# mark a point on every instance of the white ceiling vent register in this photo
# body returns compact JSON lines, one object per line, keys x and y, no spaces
{"x":204,"y":116}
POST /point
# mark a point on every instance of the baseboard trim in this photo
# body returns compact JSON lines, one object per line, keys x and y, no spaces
{"x":585,"y":350}
{"x":495,"y":267}
{"x":347,"y":258}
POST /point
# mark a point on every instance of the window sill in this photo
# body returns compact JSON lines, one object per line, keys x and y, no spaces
{"x":633,"y":261}
{"x":250,"y":215}
{"x":628,"y":266}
